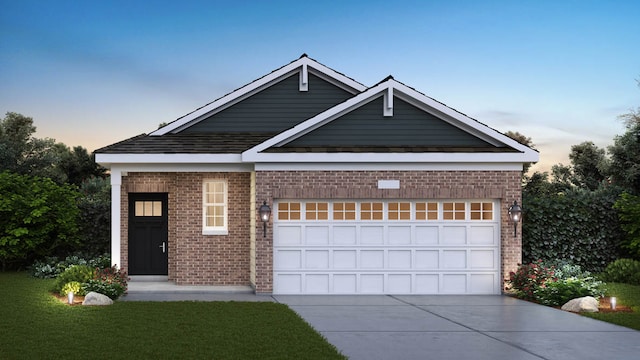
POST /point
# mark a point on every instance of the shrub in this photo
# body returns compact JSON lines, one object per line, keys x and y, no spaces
{"x":74,"y":287}
{"x":79,"y":273}
{"x":111,"y":282}
{"x":51,"y":266}
{"x":39,"y":218}
{"x":623,"y":271}
{"x":568,"y":226}
{"x":557,"y":293}
{"x":528,"y":278}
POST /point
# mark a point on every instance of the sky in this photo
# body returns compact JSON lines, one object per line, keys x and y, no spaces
{"x":92,"y":73}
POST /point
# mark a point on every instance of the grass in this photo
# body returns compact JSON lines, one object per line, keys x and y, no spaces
{"x":35,"y":325}
{"x":628,"y":295}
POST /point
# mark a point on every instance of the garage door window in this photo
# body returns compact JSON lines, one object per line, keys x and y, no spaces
{"x":317,"y":211}
{"x":344,"y":211}
{"x":481,"y":211}
{"x":427,"y":211}
{"x":289,"y":211}
{"x":453,"y":210}
{"x":371,"y":211}
{"x":399,"y":211}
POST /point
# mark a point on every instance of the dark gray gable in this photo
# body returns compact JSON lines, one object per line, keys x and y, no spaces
{"x":366,"y":127}
{"x":274,"y":109}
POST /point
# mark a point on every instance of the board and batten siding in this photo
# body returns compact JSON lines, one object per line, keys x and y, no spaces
{"x":276,"y":108}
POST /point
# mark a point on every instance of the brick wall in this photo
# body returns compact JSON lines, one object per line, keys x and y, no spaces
{"x":194,"y":258}
{"x":502,"y":185}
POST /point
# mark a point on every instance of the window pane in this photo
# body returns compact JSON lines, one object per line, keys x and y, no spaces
{"x":157,"y":208}
{"x":139,"y":208}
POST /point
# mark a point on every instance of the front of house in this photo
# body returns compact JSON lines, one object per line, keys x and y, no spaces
{"x":373,"y":190}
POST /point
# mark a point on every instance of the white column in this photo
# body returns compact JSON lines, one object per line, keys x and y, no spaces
{"x":116,"y":182}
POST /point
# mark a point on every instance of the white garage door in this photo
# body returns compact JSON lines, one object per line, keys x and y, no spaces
{"x":386,"y":247}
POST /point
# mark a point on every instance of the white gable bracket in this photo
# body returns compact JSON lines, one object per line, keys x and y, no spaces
{"x":304,"y":78}
{"x":387,"y":109}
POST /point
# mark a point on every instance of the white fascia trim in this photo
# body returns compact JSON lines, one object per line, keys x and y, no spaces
{"x":253,"y":86}
{"x":389,"y":167}
{"x":443,"y":157}
{"x":168,"y":158}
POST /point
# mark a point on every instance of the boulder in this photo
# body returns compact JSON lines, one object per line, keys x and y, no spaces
{"x":94,"y":298}
{"x":587,"y":304}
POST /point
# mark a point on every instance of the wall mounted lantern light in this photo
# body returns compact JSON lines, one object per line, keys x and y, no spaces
{"x":265,"y":214}
{"x":515,"y":214}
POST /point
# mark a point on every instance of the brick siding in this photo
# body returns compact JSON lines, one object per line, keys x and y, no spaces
{"x":194,"y":258}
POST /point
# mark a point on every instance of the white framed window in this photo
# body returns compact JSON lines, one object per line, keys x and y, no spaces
{"x":215,"y":208}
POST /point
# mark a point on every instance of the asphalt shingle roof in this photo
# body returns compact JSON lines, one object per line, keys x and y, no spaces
{"x":205,"y":143}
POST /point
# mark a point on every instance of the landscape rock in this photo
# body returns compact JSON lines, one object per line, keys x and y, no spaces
{"x":94,"y":298}
{"x":586,"y":304}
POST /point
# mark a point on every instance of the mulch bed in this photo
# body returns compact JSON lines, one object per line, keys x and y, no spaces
{"x":77,"y":300}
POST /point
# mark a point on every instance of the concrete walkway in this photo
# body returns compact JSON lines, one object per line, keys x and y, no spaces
{"x":432,"y":327}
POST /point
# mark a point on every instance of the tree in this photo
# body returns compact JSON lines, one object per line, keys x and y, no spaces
{"x":625,"y":159}
{"x":22,"y":153}
{"x":37,"y":217}
{"x":95,"y":216}
{"x":590,"y":165}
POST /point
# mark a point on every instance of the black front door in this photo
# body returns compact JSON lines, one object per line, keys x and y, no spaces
{"x":148,"y":234}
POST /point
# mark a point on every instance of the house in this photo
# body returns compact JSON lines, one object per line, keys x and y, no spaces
{"x":373,"y":190}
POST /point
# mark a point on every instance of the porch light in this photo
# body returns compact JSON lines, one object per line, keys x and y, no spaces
{"x":515,"y":214}
{"x":265,"y":214}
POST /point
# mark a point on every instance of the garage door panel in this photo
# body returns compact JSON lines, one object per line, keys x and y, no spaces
{"x":427,"y":259}
{"x":454,"y":284}
{"x":399,"y":259}
{"x":345,"y":284}
{"x":399,"y":284}
{"x":483,"y":259}
{"x":345,"y":259}
{"x":420,"y":255}
{"x":289,"y":235}
{"x":316,"y":259}
{"x":483,"y":283}
{"x":372,"y":259}
{"x":483,"y":235}
{"x":372,"y":283}
{"x":288,"y":283}
{"x":399,"y":235}
{"x":454,"y":259}
{"x":453,"y":235}
{"x":317,"y":283}
{"x":427,"y":235}
{"x":288,"y":259}
{"x":372,"y":235}
{"x":427,"y":284}
{"x":317,"y":235}
{"x":344,"y":235}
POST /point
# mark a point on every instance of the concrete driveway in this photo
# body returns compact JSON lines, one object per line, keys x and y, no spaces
{"x":460,"y":327}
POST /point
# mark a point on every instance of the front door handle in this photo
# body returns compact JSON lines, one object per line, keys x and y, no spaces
{"x":163,"y":246}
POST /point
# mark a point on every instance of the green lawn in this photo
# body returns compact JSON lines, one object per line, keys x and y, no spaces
{"x":34,"y":325}
{"x":628,"y":295}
